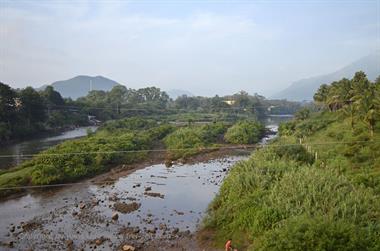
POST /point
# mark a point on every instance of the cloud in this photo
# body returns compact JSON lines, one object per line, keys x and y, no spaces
{"x":139,"y":45}
{"x":69,"y":37}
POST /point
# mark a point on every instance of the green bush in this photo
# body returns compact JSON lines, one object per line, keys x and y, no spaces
{"x":181,"y":139}
{"x":99,"y":153}
{"x":190,"y":140}
{"x":319,"y":234}
{"x":294,"y":152}
{"x":245,"y":132}
{"x":287,"y":128}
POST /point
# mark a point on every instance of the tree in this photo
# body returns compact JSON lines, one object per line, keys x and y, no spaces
{"x":52,"y":97}
{"x":153,"y":96}
{"x":118,"y":95}
{"x":33,"y":108}
{"x":302,"y":114}
{"x":322,"y":93}
{"x":367,"y":108}
{"x":242,"y":99}
{"x":359,"y":84}
{"x":364,"y":95}
{"x":7,"y":103}
{"x":7,"y":110}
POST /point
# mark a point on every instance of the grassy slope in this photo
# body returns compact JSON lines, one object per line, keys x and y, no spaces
{"x":284,"y":199}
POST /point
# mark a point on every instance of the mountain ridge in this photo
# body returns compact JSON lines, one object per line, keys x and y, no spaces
{"x":81,"y":85}
{"x":303,"y":89}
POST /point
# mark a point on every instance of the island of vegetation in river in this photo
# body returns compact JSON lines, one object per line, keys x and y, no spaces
{"x":125,"y":141}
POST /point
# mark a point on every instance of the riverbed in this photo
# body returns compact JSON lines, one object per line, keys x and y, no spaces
{"x":153,"y":207}
{"x":167,"y":204}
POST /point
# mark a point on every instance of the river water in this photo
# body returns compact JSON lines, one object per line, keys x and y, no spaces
{"x":172,"y":202}
{"x":169,"y":204}
{"x":37,"y":145}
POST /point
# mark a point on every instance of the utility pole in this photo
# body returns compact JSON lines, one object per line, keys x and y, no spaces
{"x":90,"y":85}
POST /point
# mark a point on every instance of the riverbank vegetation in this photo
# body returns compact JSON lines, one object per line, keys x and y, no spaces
{"x":317,"y":186}
{"x":187,"y":141}
{"x":116,"y":142}
{"x":245,"y":132}
{"x":26,"y":112}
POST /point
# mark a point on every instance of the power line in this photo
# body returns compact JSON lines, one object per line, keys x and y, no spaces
{"x":186,"y":149}
{"x":162,"y":109}
{"x":164,"y":150}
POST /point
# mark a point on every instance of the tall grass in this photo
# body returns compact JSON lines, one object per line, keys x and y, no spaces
{"x":284,"y":199}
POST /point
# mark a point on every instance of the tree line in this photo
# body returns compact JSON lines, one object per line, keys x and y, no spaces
{"x":358,"y":98}
{"x":27,"y":111}
{"x":24,"y":112}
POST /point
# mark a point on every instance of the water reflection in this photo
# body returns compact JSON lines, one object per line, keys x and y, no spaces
{"x":37,"y":145}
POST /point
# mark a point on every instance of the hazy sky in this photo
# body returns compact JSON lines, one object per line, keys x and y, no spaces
{"x":208,"y":48}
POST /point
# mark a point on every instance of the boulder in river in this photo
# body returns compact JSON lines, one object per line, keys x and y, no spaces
{"x":175,"y":231}
{"x":82,"y":205}
{"x":69,"y":244}
{"x":154,"y":194}
{"x":126,"y":208}
{"x":128,"y":248}
{"x":115,"y":216}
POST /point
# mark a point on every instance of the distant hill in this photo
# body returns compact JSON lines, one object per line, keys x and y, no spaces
{"x":304,"y":89}
{"x":79,"y":86}
{"x":175,"y":93}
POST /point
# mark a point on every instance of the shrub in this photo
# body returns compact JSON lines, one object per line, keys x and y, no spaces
{"x":244,"y":132}
{"x":318,"y":234}
{"x":193,"y":138}
{"x":287,"y":128}
{"x":294,"y":152}
{"x":181,"y":139}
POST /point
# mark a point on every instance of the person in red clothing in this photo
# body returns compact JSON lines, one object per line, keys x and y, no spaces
{"x":228,"y":246}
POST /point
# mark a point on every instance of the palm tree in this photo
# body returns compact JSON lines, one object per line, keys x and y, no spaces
{"x":365,"y":104}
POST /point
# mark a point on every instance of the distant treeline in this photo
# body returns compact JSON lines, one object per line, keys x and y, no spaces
{"x":24,"y":112}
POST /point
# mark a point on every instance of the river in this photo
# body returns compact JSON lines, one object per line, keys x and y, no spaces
{"x":17,"y":150}
{"x":155,"y":205}
{"x":37,"y":145}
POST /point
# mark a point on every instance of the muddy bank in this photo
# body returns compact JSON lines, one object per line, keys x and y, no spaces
{"x":144,"y":208}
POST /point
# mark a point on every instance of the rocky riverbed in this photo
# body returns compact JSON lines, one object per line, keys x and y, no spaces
{"x":151,"y":208}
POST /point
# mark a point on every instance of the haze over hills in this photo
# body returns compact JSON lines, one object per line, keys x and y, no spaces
{"x":305,"y":88}
{"x":80,"y":86}
{"x":175,"y":93}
